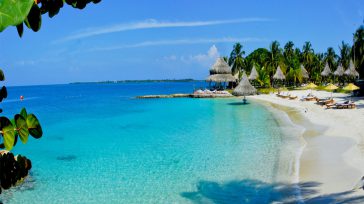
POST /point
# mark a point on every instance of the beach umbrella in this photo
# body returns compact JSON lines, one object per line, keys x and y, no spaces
{"x":351,"y":87}
{"x":327,"y":71}
{"x":244,"y":88}
{"x":311,"y":86}
{"x":331,"y":87}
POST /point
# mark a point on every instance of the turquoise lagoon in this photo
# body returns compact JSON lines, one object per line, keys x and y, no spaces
{"x":101,"y":145}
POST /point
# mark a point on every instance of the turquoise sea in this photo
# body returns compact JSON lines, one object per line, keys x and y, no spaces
{"x":101,"y":145}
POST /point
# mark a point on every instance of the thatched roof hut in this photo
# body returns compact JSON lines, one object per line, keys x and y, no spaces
{"x":221,"y":72}
{"x":304,"y":72}
{"x":327,"y":71}
{"x":351,"y":70}
{"x":244,"y":88}
{"x":220,"y":67}
{"x":279,"y":74}
{"x":253,"y":74}
{"x":221,"y":78}
{"x":339,"y":71}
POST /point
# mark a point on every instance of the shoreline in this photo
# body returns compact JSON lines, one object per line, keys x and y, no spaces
{"x":334,"y":149}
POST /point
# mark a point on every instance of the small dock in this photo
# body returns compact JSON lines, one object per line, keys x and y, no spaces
{"x":186,"y":96}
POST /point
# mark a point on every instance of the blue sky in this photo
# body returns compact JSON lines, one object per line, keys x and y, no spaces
{"x":116,"y":40}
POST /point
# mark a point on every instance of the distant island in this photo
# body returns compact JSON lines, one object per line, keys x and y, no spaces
{"x":136,"y":81}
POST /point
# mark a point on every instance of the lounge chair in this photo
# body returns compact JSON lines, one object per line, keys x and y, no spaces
{"x":325,"y":101}
{"x":345,"y":105}
{"x":292,"y":97}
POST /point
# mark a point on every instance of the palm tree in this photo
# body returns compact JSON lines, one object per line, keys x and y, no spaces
{"x":358,"y":50}
{"x":344,"y":58}
{"x":308,"y":56}
{"x":330,"y":58}
{"x":291,"y":60}
{"x":236,"y":59}
{"x":274,"y":59}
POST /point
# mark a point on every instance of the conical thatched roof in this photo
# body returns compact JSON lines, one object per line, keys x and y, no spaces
{"x":327,"y":71}
{"x":279,"y":74}
{"x":220,"y":67}
{"x":339,"y":71}
{"x":221,"y":78}
{"x":304,"y":72}
{"x":253,"y":74}
{"x":351,"y":70}
{"x":244,"y":88}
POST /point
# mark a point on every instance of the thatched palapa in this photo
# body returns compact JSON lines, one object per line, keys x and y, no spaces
{"x":253,"y":74}
{"x":220,"y":67}
{"x":221,"y":78}
{"x":351,"y":70}
{"x":279,"y":74}
{"x":339,"y":71}
{"x":221,"y":72}
{"x":304,"y":72}
{"x":327,"y":71}
{"x":244,"y":88}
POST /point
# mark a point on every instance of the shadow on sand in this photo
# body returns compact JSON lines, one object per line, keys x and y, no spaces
{"x":254,"y":191}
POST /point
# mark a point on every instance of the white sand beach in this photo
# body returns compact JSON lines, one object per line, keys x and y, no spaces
{"x":334,"y":149}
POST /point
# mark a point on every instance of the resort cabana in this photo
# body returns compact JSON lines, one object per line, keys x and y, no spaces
{"x":351,"y":72}
{"x":244,"y":88}
{"x":304,"y":72}
{"x":220,"y":73}
{"x":253,"y":74}
{"x":339,"y":71}
{"x":279,"y":74}
{"x":327,"y":71}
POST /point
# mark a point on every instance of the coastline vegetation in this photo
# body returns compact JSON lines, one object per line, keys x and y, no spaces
{"x":137,"y":81}
{"x":290,"y":59}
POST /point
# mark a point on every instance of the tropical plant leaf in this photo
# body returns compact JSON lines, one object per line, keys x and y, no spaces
{"x":13,"y":12}
{"x":24,"y":113}
{"x":20,"y":29}
{"x":2,"y":76}
{"x":3,"y":93}
{"x":34,"y":127}
{"x":34,"y":18}
{"x":22,"y":128}
{"x":8,"y":132}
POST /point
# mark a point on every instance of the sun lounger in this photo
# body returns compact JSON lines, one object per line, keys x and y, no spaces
{"x":325,"y":101}
{"x":292,"y":97}
{"x":345,"y":105}
{"x":310,"y":98}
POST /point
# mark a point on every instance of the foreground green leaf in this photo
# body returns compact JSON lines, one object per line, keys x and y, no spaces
{"x":8,"y":132}
{"x":2,"y":76}
{"x":24,"y":113}
{"x":22,"y":128}
{"x":13,"y":12}
{"x":34,"y":127}
{"x":34,"y":18}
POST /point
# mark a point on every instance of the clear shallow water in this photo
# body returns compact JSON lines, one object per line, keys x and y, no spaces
{"x":101,"y":145}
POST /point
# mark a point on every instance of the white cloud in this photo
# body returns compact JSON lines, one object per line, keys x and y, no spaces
{"x":152,"y":23}
{"x":208,"y":58}
{"x":177,"y":42}
{"x":205,"y":59}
